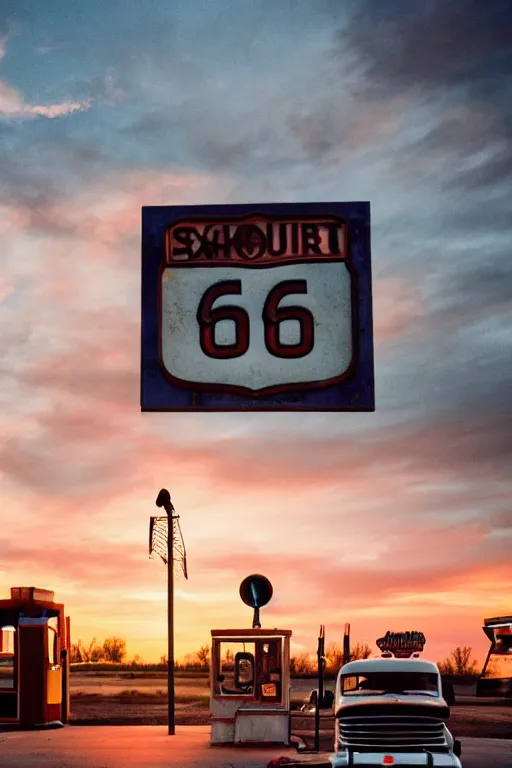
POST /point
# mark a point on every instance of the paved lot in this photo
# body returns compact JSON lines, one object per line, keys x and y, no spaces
{"x":151,"y":747}
{"x":130,"y":746}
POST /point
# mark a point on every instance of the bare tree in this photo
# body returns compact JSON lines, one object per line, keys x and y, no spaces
{"x":459,"y":662}
{"x":75,"y":655}
{"x":114,"y":649}
{"x":334,"y":656}
{"x":360,"y":651}
{"x":93,"y":652}
{"x":301,"y":665}
{"x":203,"y":656}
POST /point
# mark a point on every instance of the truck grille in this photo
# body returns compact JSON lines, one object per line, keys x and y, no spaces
{"x":391,"y":731}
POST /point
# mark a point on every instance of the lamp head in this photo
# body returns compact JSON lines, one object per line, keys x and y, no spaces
{"x":163,"y":499}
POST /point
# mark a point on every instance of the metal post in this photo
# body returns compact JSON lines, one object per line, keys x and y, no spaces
{"x":346,"y":644}
{"x":320,"y":689}
{"x":64,"y":706}
{"x":170,"y":623}
{"x":164,"y":500}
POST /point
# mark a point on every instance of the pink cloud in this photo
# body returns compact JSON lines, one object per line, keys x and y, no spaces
{"x":103,"y":584}
{"x":398,"y":304}
{"x":56,"y":110}
{"x":13,"y":105}
{"x":107,"y":212}
{"x":6,"y":288}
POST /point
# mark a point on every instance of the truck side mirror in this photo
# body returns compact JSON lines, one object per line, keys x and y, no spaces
{"x":457,"y":748}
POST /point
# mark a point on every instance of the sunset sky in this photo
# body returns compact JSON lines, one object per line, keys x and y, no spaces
{"x":399,"y":519}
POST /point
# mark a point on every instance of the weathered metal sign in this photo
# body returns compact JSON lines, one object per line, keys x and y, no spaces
{"x":402,"y":642}
{"x":257,"y":307}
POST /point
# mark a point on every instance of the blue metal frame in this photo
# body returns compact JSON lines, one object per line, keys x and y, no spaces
{"x":355,"y":393}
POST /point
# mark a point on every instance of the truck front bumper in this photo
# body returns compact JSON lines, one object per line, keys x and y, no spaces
{"x":403,"y":759}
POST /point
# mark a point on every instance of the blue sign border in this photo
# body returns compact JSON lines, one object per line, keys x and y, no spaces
{"x":355,"y":393}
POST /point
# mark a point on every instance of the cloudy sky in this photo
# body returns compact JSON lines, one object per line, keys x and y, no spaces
{"x":398,"y":519}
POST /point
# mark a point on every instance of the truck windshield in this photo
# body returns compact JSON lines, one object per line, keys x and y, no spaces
{"x":381,"y":683}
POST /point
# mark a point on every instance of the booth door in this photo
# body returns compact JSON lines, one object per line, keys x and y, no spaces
{"x":32,"y":668}
{"x":54,"y":674}
{"x":40,"y":674}
{"x":8,"y":674}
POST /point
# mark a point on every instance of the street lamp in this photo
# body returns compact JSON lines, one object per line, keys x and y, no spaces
{"x":166,"y":540}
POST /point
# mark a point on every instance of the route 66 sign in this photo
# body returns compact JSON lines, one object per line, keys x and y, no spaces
{"x":257,"y":307}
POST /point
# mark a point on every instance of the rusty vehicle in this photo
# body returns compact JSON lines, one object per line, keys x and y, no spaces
{"x":391,"y":711}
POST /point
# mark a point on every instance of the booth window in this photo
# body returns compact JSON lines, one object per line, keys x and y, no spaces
{"x":7,"y":676}
{"x":269,"y":670}
{"x":53,"y":656}
{"x":235,"y":669}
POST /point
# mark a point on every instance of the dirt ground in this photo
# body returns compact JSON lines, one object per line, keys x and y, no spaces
{"x":140,"y":699}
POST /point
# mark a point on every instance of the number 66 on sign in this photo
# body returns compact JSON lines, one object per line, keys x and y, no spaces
{"x":260,"y":307}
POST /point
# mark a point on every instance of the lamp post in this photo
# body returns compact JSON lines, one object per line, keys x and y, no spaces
{"x":346,"y":644}
{"x":164,"y":500}
{"x":320,"y":690}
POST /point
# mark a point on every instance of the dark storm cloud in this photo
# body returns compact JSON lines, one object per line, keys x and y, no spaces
{"x":452,"y":56}
{"x":454,"y":354}
{"x":485,"y":287}
{"x":477,"y":139}
{"x":451,"y":62}
{"x":44,"y":175}
{"x":438,"y":44}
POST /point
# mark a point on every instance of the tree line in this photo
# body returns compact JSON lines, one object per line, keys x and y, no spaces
{"x":113,"y":650}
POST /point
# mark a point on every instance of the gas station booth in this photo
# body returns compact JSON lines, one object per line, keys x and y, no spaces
{"x":250,"y":686}
{"x":34,"y":659}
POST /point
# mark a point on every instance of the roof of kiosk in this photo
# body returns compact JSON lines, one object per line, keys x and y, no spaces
{"x":32,"y":601}
{"x":32,"y":594}
{"x":251,"y":633}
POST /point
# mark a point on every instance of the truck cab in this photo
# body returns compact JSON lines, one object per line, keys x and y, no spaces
{"x":391,"y":711}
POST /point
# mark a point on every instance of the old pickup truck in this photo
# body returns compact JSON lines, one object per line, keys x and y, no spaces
{"x":391,"y":711}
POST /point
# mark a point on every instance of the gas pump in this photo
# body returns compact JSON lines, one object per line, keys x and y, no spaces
{"x":250,"y":677}
{"x":34,"y":659}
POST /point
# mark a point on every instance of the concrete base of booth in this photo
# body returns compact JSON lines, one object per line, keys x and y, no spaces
{"x":252,"y":725}
{"x":262,"y":725}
